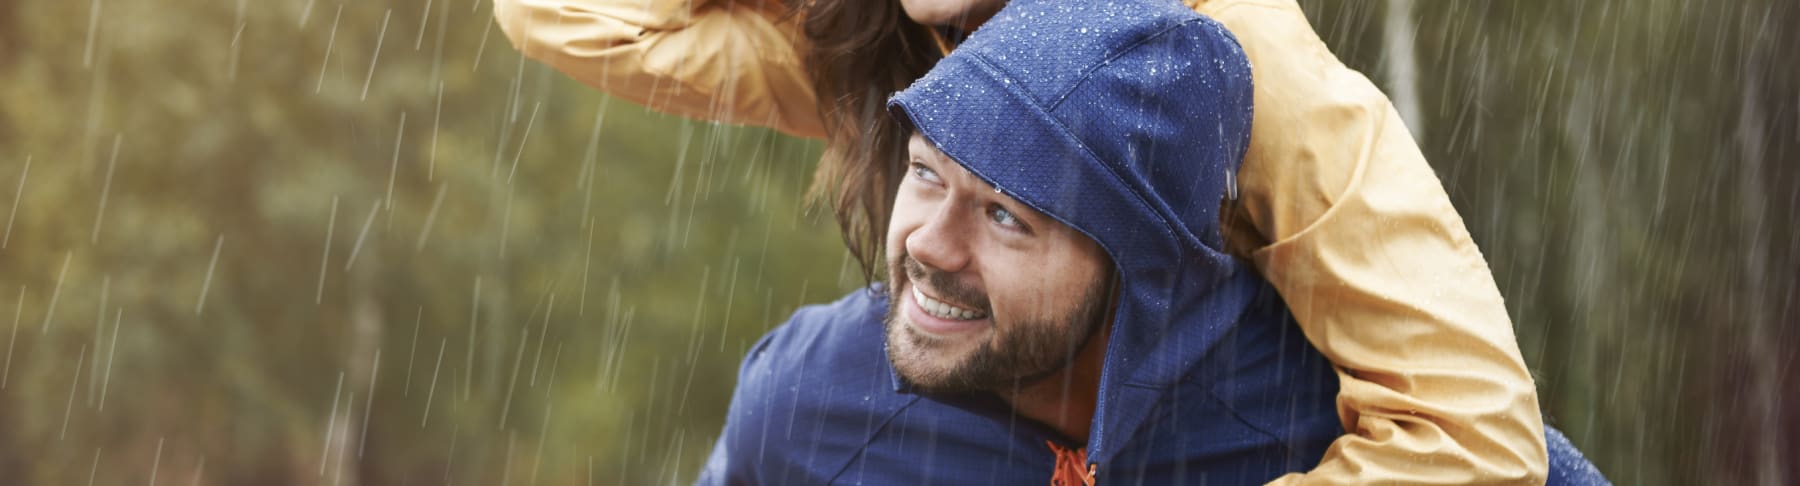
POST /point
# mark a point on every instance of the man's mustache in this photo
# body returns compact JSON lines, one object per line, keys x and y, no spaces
{"x":946,"y":286}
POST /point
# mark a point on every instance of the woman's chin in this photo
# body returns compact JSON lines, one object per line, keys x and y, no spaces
{"x":966,"y":13}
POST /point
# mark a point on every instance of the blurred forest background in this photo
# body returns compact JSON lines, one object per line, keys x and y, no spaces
{"x":316,"y":242}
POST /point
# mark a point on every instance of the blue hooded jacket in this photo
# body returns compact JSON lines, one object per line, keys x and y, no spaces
{"x":1124,"y":120}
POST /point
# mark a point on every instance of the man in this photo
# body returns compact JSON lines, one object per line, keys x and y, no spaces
{"x":1058,"y":307}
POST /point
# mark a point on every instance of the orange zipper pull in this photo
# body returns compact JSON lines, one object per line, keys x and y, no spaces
{"x":1068,"y":467}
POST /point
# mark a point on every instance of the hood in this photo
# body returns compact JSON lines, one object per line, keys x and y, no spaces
{"x":1125,"y":120}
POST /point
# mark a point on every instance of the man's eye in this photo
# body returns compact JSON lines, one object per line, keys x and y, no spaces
{"x":925,"y":173}
{"x":1004,"y":218}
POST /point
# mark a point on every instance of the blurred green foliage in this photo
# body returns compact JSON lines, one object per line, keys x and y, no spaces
{"x":558,"y":286}
{"x":310,"y":242}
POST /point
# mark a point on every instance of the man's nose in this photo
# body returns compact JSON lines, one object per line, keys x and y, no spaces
{"x":941,"y":243}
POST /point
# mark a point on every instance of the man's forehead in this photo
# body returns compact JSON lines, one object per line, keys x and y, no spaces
{"x":919,"y":146}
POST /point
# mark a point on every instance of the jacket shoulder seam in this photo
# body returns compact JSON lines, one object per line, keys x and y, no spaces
{"x":873,"y":433}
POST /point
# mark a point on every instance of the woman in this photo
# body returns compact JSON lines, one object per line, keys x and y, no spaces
{"x":1335,"y":204}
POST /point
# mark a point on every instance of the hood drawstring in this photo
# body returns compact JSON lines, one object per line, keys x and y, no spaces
{"x":1071,"y":467}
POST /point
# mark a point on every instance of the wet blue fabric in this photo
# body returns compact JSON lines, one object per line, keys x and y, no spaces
{"x":1568,"y":467}
{"x":1124,"y":120}
{"x":816,"y":404}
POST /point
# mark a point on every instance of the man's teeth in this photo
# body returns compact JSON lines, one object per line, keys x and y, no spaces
{"x":941,"y":310}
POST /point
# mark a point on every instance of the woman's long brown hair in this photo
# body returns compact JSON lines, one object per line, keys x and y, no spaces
{"x":860,"y":52}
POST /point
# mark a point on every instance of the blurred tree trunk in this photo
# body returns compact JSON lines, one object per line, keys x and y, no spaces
{"x":9,"y":31}
{"x":1764,"y":398}
{"x":365,"y":336}
{"x":1402,"y":66}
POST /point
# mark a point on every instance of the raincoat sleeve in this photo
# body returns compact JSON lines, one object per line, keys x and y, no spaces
{"x":719,"y":60}
{"x":1340,"y":211}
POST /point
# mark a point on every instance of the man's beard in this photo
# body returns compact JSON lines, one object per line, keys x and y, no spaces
{"x":1018,"y":353}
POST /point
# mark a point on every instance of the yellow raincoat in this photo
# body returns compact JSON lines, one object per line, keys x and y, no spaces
{"x":1337,"y":208}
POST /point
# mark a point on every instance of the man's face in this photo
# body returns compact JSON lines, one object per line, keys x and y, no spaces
{"x":985,"y":293}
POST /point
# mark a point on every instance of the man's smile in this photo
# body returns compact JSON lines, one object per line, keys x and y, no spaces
{"x":943,"y":309}
{"x":939,"y":319}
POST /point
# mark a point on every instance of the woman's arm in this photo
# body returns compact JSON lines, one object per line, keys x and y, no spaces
{"x":728,"y":61}
{"x":1341,"y":213}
